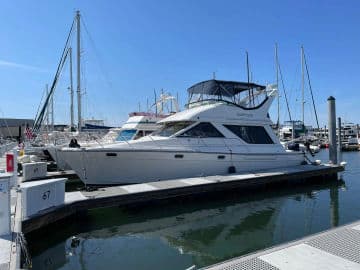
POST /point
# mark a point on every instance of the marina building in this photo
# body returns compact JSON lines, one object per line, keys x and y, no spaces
{"x":14,"y":128}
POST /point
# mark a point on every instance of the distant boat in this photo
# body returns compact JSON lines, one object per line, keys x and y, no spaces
{"x":95,"y":127}
{"x":286,"y":130}
{"x":138,"y":125}
{"x":224,"y":129}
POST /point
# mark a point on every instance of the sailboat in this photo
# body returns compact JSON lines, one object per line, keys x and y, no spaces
{"x":295,"y":131}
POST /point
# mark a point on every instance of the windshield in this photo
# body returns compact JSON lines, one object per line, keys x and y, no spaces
{"x":171,"y":128}
{"x":126,"y":135}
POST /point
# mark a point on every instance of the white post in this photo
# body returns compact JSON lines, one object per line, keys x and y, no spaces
{"x":5,"y":208}
{"x":332,"y":130}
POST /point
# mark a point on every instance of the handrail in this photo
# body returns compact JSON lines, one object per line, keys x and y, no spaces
{"x":230,"y":103}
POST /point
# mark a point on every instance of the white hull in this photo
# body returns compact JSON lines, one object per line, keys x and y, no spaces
{"x":98,"y":168}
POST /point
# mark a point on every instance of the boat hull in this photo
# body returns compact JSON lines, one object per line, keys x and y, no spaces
{"x":56,"y":155}
{"x":124,"y":167}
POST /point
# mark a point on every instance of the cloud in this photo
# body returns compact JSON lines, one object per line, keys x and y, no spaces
{"x":20,"y":66}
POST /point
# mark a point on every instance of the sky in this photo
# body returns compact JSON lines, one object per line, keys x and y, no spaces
{"x":131,"y":48}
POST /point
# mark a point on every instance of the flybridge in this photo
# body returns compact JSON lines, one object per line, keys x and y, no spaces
{"x":242,"y":94}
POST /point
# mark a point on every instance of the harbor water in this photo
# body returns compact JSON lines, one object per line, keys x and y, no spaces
{"x":200,"y":232}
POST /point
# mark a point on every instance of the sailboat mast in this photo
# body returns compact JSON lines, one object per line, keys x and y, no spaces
{"x":47,"y":109}
{"x":78,"y":69}
{"x":302,"y":86}
{"x":248,"y":75}
{"x":71,"y":92}
{"x":51,"y":109}
{"x":277,"y":85}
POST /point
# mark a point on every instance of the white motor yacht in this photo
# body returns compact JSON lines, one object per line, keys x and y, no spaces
{"x":225,"y":129}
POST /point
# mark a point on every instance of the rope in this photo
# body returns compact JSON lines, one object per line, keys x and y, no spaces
{"x":97,"y":55}
{"x":283,"y":86}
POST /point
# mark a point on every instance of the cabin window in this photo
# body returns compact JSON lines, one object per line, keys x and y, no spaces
{"x":202,"y":130}
{"x":148,"y":132}
{"x":170,"y":128}
{"x":139,"y":135}
{"x":251,"y":134}
{"x":126,"y":135}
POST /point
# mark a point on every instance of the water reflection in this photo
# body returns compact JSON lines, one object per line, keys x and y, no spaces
{"x":178,"y":236}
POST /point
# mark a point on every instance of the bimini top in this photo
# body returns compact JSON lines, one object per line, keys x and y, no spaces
{"x":222,"y":88}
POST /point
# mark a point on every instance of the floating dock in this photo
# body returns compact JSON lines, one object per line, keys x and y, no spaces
{"x":335,"y":249}
{"x":79,"y":201}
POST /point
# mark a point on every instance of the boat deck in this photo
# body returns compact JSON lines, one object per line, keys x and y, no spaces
{"x":337,"y":248}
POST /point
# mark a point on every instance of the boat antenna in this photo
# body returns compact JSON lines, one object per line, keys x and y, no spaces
{"x":311,"y":91}
{"x":156,"y":112}
{"x":78,"y":69}
{"x":162,"y":101}
{"x":171,"y":105}
{"x":177,"y":98}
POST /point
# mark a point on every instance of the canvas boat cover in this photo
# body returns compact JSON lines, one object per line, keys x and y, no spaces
{"x":222,"y":88}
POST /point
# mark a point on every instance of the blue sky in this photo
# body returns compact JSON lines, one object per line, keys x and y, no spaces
{"x":138,"y":46}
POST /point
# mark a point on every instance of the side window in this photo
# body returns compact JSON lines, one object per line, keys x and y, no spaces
{"x":171,"y":128}
{"x":202,"y":130}
{"x":138,"y":135}
{"x":251,"y":134}
{"x":148,"y":132}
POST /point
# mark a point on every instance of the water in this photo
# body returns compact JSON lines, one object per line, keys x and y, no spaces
{"x":199,"y":232}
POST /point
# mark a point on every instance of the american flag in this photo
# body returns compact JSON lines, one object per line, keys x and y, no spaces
{"x":28,"y":132}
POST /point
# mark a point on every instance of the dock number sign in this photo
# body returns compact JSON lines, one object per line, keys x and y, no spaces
{"x":46,"y":195}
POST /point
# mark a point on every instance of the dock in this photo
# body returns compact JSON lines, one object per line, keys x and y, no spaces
{"x":36,"y":204}
{"x":337,"y":248}
{"x":80,"y":201}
